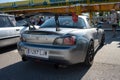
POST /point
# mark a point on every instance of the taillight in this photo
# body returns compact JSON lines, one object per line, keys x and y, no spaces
{"x":68,"y":40}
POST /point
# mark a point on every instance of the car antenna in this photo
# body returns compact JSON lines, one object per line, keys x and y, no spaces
{"x":57,"y":22}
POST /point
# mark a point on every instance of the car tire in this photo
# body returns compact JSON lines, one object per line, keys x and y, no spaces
{"x":24,"y":59}
{"x":102,"y":40}
{"x":90,"y":55}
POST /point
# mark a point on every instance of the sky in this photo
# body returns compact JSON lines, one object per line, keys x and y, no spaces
{"x":5,"y":1}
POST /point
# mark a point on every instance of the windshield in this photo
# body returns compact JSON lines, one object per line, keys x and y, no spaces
{"x":64,"y":22}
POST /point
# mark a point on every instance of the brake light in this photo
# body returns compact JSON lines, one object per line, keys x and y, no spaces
{"x":69,"y":41}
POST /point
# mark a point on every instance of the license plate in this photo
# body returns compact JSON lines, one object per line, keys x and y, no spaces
{"x":38,"y":53}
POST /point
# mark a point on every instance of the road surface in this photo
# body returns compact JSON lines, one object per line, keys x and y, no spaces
{"x":106,"y":65}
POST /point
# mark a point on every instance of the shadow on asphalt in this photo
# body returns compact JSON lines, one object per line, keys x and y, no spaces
{"x":118,"y":45}
{"x":7,"y":48}
{"x":109,"y":38}
{"x":100,"y":47}
{"x":40,"y":71}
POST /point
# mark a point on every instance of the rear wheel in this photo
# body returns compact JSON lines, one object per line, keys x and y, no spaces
{"x":24,"y":59}
{"x":90,"y":54}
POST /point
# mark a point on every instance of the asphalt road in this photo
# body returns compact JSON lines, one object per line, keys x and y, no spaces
{"x":106,"y":65}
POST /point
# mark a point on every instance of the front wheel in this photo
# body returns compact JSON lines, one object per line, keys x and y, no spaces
{"x":90,"y":54}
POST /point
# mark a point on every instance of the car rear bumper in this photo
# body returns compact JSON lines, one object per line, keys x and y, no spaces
{"x":57,"y":54}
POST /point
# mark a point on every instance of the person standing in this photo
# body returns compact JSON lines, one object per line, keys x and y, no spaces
{"x":113,"y":21}
{"x":32,"y":20}
{"x":41,"y":20}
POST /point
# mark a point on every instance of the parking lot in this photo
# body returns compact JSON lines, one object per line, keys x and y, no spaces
{"x":106,"y":65}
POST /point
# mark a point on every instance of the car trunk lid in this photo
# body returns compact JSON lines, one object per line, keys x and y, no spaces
{"x":45,"y":35}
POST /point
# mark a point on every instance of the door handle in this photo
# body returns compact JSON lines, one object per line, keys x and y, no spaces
{"x":17,"y":29}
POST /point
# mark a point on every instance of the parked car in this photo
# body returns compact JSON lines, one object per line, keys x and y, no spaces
{"x":9,"y":32}
{"x":62,"y":42}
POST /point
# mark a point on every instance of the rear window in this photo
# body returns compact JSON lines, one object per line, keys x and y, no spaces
{"x":5,"y":22}
{"x":64,"y":23}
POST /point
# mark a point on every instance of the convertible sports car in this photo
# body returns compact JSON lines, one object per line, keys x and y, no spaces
{"x":62,"y":41}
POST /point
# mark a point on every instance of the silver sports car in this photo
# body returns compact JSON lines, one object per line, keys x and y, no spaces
{"x":62,"y":41}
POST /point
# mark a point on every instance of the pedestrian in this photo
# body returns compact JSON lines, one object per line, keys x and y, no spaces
{"x":113,"y":21}
{"x":118,"y":19}
{"x":41,"y":20}
{"x":32,"y":20}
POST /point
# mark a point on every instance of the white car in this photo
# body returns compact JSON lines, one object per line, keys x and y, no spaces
{"x":62,"y":41}
{"x":9,"y":32}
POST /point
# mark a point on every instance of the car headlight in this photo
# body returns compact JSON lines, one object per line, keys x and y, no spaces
{"x":66,"y":40}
